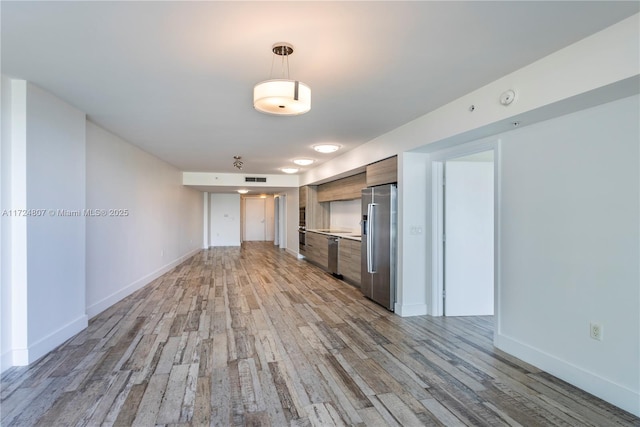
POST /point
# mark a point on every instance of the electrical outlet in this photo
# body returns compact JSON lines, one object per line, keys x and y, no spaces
{"x":596,"y":331}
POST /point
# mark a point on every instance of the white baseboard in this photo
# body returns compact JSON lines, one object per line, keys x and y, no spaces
{"x":6,"y":360}
{"x":107,"y":302}
{"x":408,"y":310}
{"x":15,"y":357}
{"x":293,"y":253}
{"x":616,"y":394}
{"x":51,"y":341}
{"x":25,"y":356}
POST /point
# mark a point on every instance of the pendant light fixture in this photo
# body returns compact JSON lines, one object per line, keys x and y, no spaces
{"x":282,"y":97}
{"x":237,"y":162}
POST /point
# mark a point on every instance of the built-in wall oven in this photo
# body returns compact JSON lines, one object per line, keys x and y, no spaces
{"x":302,"y":237}
{"x":302,"y":233}
{"x":302,"y":223}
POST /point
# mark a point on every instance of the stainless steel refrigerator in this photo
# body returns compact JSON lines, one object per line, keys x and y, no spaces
{"x":379,"y":237}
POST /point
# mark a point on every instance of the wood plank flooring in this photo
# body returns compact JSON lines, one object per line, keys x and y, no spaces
{"x":255,"y":337}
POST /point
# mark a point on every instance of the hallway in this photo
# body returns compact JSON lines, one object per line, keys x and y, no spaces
{"x":253,"y":336}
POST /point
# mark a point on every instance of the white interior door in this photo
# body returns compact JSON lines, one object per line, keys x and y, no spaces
{"x":468,"y":242}
{"x":254,"y":219}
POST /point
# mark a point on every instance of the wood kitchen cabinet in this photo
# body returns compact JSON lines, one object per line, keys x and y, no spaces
{"x":383,"y":172}
{"x":348,"y":188}
{"x":302,"y":194}
{"x":349,"y":260}
{"x":317,"y":249}
{"x":316,"y":214}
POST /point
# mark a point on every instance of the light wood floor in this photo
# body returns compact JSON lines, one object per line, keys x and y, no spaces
{"x":253,"y":336}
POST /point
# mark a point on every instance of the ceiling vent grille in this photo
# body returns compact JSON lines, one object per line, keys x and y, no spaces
{"x":255,"y":179}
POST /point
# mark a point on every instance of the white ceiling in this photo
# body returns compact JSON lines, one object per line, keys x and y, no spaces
{"x":176,"y":78}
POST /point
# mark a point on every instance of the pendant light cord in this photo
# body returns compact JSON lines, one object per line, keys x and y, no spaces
{"x":273,"y":60}
{"x":283,"y":59}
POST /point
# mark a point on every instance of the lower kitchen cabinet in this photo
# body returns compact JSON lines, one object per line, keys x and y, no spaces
{"x":349,"y":260}
{"x":317,"y":249}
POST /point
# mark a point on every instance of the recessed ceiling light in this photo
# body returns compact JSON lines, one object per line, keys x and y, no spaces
{"x":243,"y":191}
{"x":326,"y":148}
{"x":289,"y":170}
{"x":303,"y":162}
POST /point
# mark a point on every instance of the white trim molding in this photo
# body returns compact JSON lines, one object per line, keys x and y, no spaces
{"x":625,"y":398}
{"x":408,"y":310}
{"x":25,"y":356}
{"x":107,"y":302}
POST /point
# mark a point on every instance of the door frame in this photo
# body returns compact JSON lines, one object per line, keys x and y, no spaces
{"x":282,"y":226}
{"x":438,"y":160}
{"x":276,"y":220}
{"x":279,"y":215}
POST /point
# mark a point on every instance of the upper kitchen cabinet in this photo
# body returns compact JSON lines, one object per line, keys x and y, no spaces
{"x":316,"y":215}
{"x":383,"y":172}
{"x":348,"y":188}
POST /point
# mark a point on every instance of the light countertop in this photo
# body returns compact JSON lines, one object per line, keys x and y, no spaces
{"x":337,"y":233}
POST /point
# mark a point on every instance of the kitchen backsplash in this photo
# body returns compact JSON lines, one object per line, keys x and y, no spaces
{"x":345,"y":215}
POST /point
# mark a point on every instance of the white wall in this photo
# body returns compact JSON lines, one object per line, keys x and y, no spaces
{"x":414,"y":234}
{"x":55,"y":244}
{"x":5,"y":224}
{"x":237,"y":180}
{"x":280,"y":203}
{"x":44,"y":269}
{"x":225,"y":219}
{"x":570,"y":195}
{"x":162,"y":228}
{"x":13,"y":144}
{"x":206,"y":221}
{"x":346,"y":215}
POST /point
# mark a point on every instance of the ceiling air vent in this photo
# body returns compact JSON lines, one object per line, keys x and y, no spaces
{"x":255,"y":179}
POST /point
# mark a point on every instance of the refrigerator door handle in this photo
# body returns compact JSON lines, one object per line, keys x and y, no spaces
{"x":370,"y":237}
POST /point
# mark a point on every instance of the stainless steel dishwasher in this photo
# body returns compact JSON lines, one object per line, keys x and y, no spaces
{"x":333,"y":256}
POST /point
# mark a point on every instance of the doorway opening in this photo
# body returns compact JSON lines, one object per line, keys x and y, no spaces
{"x":258,"y":222}
{"x":464,"y":200}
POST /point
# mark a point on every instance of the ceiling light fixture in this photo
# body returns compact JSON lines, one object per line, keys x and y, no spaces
{"x":289,"y":170}
{"x":237,"y":162}
{"x":303,"y":162}
{"x":243,"y":191}
{"x":282,"y":97}
{"x":326,"y":148}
